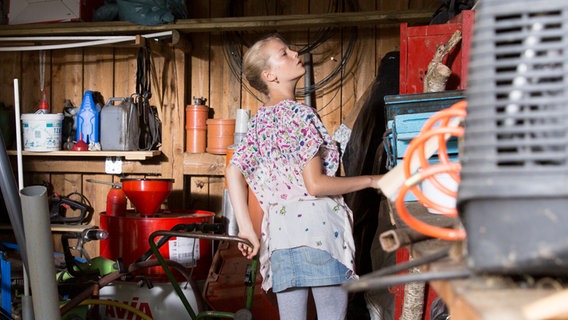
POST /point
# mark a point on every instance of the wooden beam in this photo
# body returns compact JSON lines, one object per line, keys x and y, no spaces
{"x":204,"y":164}
{"x":287,"y":22}
{"x":84,"y":165}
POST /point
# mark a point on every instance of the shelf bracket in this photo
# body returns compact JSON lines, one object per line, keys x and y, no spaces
{"x":113,"y":165}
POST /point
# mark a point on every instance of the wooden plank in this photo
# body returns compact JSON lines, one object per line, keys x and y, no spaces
{"x":328,"y":57}
{"x":124,"y":72}
{"x":90,"y":165}
{"x":178,"y":94}
{"x":98,"y":70}
{"x":197,"y":190}
{"x":204,"y":164}
{"x":36,"y":179}
{"x":224,"y":94}
{"x":216,"y":188}
{"x":358,"y":79}
{"x":96,"y":193}
{"x":67,"y":77}
{"x":205,"y":193}
{"x":220,"y":84}
{"x":250,"y":98}
{"x":64,"y":184}
{"x":200,"y":71}
{"x":170,"y":104}
{"x":219,"y":24}
{"x":11,"y":66}
{"x":127,"y":155}
{"x":29,"y":82}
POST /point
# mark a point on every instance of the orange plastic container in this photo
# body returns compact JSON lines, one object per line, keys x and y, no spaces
{"x":196,"y":116}
{"x":196,"y":126}
{"x":195,"y":140}
{"x":220,"y":135}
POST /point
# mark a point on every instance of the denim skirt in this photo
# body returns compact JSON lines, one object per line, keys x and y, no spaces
{"x":306,"y":267}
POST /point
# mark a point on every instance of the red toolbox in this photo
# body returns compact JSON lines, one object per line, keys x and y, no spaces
{"x":418,"y":45}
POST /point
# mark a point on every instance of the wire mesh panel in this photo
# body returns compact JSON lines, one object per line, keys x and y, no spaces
{"x":514,"y":178}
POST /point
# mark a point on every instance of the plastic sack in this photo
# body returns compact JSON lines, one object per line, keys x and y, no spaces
{"x":145,"y":12}
{"x":106,"y":12}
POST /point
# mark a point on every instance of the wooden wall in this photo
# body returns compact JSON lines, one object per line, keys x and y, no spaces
{"x":178,"y":75}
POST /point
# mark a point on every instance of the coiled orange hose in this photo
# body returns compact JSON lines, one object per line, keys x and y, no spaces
{"x":435,"y":127}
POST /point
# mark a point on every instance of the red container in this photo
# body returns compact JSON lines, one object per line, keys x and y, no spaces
{"x":418,"y":46}
{"x":147,"y":194}
{"x":116,"y":202}
{"x":129,"y":234}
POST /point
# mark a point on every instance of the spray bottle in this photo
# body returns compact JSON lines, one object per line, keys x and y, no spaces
{"x":88,"y":121}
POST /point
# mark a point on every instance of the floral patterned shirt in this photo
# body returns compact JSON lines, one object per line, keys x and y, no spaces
{"x":280,"y":141}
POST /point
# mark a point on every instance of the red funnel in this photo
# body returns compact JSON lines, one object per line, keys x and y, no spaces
{"x":147,"y":194}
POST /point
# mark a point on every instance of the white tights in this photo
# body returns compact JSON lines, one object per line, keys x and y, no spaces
{"x":331,"y":303}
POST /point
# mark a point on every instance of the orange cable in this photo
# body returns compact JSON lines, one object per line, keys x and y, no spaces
{"x":437,"y":125}
{"x":420,"y":226}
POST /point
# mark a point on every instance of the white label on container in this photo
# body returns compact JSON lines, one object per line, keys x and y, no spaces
{"x":185,"y":251}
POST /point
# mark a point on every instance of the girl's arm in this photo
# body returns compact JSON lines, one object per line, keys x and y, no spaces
{"x":319,"y":184}
{"x":238,"y":194}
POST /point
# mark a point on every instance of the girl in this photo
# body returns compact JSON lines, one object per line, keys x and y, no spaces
{"x":289,"y":161}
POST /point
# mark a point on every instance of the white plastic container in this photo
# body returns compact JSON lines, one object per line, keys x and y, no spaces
{"x":159,"y":302}
{"x":438,"y":196}
{"x":42,"y":132}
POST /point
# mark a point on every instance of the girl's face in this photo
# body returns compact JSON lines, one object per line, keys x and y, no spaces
{"x":283,"y":62}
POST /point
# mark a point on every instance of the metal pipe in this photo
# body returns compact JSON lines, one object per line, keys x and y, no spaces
{"x":392,"y":240}
{"x":27,"y":307}
{"x":39,"y":245}
{"x":12,"y":201}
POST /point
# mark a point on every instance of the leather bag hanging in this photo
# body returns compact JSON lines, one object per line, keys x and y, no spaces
{"x":150,"y":124}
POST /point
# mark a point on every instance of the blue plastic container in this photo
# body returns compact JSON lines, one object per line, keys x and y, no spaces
{"x":88,"y":120}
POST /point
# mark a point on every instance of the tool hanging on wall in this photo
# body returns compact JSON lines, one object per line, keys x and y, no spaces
{"x":150,"y":124}
{"x":43,"y":105}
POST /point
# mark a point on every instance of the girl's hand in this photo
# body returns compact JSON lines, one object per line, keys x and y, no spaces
{"x":375,"y":181}
{"x":246,"y":250}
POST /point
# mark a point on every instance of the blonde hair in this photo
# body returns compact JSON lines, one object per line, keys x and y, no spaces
{"x":255,"y":61}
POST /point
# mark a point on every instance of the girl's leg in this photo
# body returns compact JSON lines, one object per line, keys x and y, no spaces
{"x":331,"y":302}
{"x":293,"y":304}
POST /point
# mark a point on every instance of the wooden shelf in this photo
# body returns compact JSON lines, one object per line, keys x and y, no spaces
{"x":275,"y":22}
{"x":127,"y":155}
{"x":57,"y":227}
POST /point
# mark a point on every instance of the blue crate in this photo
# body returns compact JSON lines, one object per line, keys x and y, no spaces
{"x":406,"y":115}
{"x":420,"y":102}
{"x":402,"y":130}
{"x":406,"y":127}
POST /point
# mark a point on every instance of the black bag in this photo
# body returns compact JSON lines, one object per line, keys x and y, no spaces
{"x":449,"y":9}
{"x":150,"y":124}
